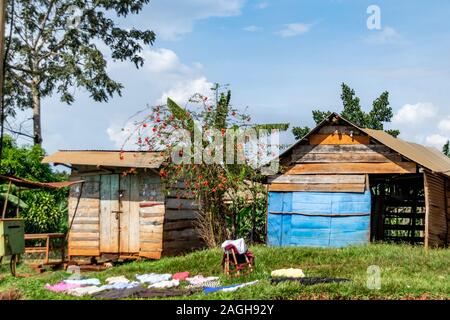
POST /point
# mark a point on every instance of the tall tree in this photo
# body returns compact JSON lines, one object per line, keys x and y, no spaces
{"x":446,"y":149}
{"x":381,"y":113}
{"x":55,"y":49}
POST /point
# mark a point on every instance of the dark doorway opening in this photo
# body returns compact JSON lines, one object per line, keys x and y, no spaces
{"x":398,"y":208}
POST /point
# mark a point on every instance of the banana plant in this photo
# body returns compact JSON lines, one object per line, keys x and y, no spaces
{"x":12,"y":199}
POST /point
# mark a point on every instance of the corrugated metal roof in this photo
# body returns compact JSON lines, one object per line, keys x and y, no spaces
{"x":128,"y":159}
{"x":427,"y":157}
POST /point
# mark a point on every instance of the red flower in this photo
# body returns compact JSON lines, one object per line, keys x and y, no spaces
{"x":205,"y":183}
{"x":158,"y":119}
{"x":154,"y":129}
{"x":180,"y":153}
{"x":144,"y":125}
{"x":233,"y":113}
{"x":214,"y":190}
{"x":222,"y":131}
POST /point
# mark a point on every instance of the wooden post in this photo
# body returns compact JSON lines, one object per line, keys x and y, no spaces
{"x":47,"y":249}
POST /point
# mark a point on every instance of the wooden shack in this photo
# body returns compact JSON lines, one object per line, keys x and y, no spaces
{"x":121,"y":209}
{"x":344,"y":185}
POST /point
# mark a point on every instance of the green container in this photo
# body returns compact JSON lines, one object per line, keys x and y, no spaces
{"x":12,"y":237}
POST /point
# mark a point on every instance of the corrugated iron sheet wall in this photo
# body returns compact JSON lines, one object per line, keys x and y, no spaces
{"x":436,"y":228}
{"x":318,"y":219}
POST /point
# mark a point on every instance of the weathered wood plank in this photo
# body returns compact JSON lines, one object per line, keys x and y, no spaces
{"x":319,"y":179}
{"x":186,"y":234}
{"x":340,"y":129}
{"x":345,"y":157}
{"x":316,"y":139}
{"x":353,"y":168}
{"x":150,"y":246}
{"x":177,"y":225}
{"x":182,"y":245}
{"x":150,"y":254}
{"x":82,"y":244}
{"x":181,"y":214}
{"x":181,"y":204}
{"x":109,"y":205}
{"x":81,"y":235}
{"x":151,"y":228}
{"x":286,"y":187}
{"x":84,"y":251}
{"x":159,"y":209}
{"x":342,"y":148}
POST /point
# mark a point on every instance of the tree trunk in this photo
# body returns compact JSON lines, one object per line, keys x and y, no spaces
{"x":37,"y":132}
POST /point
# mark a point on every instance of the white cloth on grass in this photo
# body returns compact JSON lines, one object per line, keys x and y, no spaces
{"x":118,"y":279}
{"x":152,"y":278}
{"x":83,"y":291}
{"x":165,"y":284}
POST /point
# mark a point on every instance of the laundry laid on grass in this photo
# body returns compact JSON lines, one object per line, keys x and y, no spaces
{"x":119,"y":279}
{"x":166,"y":284}
{"x":288,"y":273}
{"x":181,"y":275}
{"x":82,"y":291}
{"x":201,"y":281}
{"x":117,"y":287}
{"x":308,"y":281}
{"x":152,"y":278}
{"x":61,"y":286}
{"x":230,"y":288}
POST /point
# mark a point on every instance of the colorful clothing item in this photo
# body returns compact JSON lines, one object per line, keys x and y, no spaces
{"x":61,"y":286}
{"x":231,"y":288}
{"x":165,"y":284}
{"x":152,"y":278}
{"x":82,"y":291}
{"x":120,"y":285}
{"x":200,"y":280}
{"x":180,"y":275}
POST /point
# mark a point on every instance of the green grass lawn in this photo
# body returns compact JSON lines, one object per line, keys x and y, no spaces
{"x":406,"y":273}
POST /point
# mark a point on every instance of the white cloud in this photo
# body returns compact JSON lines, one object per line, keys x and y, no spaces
{"x":123,"y":137}
{"x":436,"y":140}
{"x":384,"y":36}
{"x":294,"y":29}
{"x":171,"y":21}
{"x":252,"y":28}
{"x":184,"y":90}
{"x":444,"y":125}
{"x":262,"y":5}
{"x":415,"y":113}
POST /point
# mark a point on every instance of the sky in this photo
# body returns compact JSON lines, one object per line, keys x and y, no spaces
{"x":282,"y":59}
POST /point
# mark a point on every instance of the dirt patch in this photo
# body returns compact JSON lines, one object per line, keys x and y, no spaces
{"x":12,"y":294}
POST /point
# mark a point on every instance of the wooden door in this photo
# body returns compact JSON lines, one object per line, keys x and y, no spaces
{"x":129,"y":216}
{"x":109,"y":213}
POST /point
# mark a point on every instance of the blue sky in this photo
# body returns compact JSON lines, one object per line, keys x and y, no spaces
{"x":281,"y":58}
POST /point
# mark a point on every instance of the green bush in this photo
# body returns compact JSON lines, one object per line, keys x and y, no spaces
{"x":45,"y":210}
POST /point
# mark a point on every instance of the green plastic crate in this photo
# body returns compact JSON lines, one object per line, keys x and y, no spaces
{"x":12,"y":237}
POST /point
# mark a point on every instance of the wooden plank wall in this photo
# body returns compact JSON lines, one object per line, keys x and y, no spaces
{"x":151,"y":215}
{"x":180,"y":233}
{"x":436,"y":224}
{"x":84,"y":236}
{"x":337,"y":158}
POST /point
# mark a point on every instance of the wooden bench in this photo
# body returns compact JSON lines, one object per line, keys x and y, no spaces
{"x":46,"y":249}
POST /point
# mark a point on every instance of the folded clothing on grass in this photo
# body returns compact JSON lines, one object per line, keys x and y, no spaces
{"x":307,"y":281}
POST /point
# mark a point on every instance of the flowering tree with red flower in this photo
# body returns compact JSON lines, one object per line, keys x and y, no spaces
{"x":230,"y":193}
